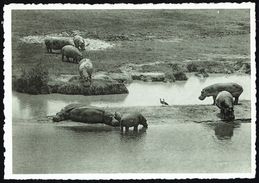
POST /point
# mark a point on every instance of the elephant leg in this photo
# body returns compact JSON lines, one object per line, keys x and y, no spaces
{"x":62,"y":58}
{"x":68,"y":59}
{"x":127,"y":129}
{"x":236,"y":101}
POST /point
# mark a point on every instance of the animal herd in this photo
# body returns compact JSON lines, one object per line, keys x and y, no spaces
{"x":71,"y":52}
{"x":223,"y":93}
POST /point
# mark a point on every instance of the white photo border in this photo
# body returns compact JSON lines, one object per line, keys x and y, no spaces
{"x":8,"y":91}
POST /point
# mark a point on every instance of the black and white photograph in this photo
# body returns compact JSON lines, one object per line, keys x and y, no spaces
{"x":124,"y":91}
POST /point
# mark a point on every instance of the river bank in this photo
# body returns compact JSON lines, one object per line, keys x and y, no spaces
{"x":179,"y":139}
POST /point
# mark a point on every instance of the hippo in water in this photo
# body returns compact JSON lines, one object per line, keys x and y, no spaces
{"x":85,"y":114}
{"x":131,"y":120}
{"x":224,"y":101}
{"x":213,"y":90}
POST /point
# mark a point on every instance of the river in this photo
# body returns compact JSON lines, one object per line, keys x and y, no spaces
{"x":173,"y":146}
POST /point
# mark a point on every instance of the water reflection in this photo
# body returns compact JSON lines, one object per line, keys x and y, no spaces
{"x":140,"y":94}
{"x":133,"y":135}
{"x":27,"y":106}
{"x":177,"y":93}
{"x":224,"y":130}
{"x":96,"y":128}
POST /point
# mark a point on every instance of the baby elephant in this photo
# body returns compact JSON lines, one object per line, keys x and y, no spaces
{"x":224,"y":101}
{"x":131,"y":120}
{"x":70,"y":51}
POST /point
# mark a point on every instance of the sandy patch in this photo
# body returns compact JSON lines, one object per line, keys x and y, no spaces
{"x":94,"y":44}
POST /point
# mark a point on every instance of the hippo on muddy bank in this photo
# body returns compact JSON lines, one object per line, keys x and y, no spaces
{"x":85,"y":68}
{"x":224,"y":101}
{"x":55,"y":43}
{"x":213,"y":90}
{"x":131,"y":120}
{"x":85,"y":114}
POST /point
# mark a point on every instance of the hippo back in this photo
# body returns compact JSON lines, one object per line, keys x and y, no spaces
{"x":57,"y":43}
{"x":234,"y":88}
{"x":85,"y":68}
{"x":87,"y":115}
{"x":224,"y":100}
{"x":132,"y":119}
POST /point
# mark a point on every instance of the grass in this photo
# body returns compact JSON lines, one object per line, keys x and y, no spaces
{"x":201,"y":33}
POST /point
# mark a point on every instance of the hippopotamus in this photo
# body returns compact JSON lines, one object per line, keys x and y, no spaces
{"x":85,"y":68}
{"x":79,"y":42}
{"x":131,"y":120}
{"x":70,"y":51}
{"x":85,"y":114}
{"x":224,"y":101}
{"x":213,"y":90}
{"x":56,"y":43}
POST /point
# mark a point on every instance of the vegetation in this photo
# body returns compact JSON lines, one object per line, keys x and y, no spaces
{"x":141,"y":36}
{"x":33,"y":81}
{"x":179,"y":41}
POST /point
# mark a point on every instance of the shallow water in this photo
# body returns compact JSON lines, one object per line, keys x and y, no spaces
{"x":168,"y":147}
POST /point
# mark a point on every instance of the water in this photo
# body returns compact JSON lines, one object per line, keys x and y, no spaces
{"x":171,"y":146}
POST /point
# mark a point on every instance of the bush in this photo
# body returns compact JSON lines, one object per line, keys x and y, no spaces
{"x":33,"y":81}
{"x":192,"y":67}
{"x":181,"y":76}
{"x":169,"y":76}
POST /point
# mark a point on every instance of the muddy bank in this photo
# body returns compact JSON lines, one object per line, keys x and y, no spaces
{"x":192,"y":113}
{"x":170,"y":72}
{"x":73,"y":85}
{"x":184,"y":113}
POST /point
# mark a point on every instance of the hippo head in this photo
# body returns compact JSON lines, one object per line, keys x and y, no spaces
{"x":229,"y":114}
{"x":109,"y":119}
{"x":203,"y":94}
{"x":60,"y":116}
{"x":117,"y":116}
{"x":82,"y":45}
{"x":143,"y":121}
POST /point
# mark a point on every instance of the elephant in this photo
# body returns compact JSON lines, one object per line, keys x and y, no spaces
{"x":55,"y":43}
{"x":85,"y":114}
{"x":79,"y":42}
{"x":131,"y":120}
{"x":224,"y":101}
{"x":213,"y":90}
{"x":85,"y":68}
{"x":70,"y":51}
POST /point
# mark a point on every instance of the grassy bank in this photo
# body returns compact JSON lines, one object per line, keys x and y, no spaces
{"x":202,"y":37}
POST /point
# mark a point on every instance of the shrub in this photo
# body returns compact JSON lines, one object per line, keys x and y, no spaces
{"x":181,"y":76}
{"x":169,"y":76}
{"x":192,"y":67}
{"x":33,"y":81}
